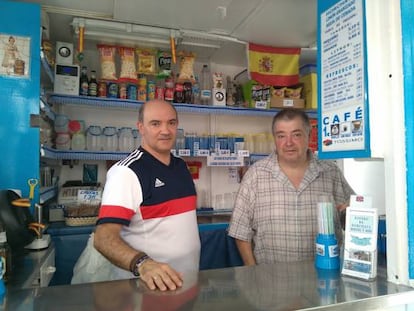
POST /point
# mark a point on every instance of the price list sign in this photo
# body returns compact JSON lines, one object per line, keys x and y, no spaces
{"x":343,"y":112}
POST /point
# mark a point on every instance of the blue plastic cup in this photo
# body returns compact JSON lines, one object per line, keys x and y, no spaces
{"x":327,"y":252}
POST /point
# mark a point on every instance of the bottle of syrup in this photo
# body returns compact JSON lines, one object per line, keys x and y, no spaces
{"x":84,"y":82}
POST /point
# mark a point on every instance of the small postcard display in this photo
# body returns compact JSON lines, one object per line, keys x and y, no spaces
{"x":360,"y":249}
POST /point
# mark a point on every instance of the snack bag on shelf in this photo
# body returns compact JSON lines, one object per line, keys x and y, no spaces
{"x":186,"y":67}
{"x":278,"y":91}
{"x":107,"y":60}
{"x":128,"y":71}
{"x":164,"y":64}
{"x":293,"y":92}
{"x":146,"y":61}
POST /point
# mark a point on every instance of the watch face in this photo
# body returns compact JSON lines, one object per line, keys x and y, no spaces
{"x":64,"y":51}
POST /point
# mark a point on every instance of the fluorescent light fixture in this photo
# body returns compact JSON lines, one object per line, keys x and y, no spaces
{"x":112,"y":26}
{"x":99,"y":35}
{"x":209,"y":36}
{"x":74,"y":12}
{"x":100,"y":29}
{"x":200,"y":44}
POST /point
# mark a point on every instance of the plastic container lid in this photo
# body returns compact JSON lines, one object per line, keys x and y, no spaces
{"x":61,"y":123}
{"x":307,"y":69}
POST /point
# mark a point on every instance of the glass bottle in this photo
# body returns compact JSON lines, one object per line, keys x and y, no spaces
{"x":180,"y":140}
{"x":187,"y":91}
{"x":195,"y":92}
{"x":230,"y":96}
{"x":93,"y":85}
{"x":205,"y":86}
{"x":84,"y":82}
{"x":179,"y":93}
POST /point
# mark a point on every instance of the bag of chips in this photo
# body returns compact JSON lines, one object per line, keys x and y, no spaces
{"x":164,"y":64}
{"x":128,"y":71}
{"x":278,"y":91}
{"x":186,"y":67}
{"x":107,"y":60}
{"x":146,"y":61}
{"x":293,"y":92}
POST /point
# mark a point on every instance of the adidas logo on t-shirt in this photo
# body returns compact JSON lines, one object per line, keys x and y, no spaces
{"x":158,"y":183}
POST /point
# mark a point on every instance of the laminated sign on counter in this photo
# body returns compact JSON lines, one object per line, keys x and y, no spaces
{"x":360,"y":250}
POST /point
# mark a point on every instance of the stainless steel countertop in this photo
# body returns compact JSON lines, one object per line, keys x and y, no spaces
{"x":282,"y":286}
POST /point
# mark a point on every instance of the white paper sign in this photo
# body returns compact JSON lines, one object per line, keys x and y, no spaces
{"x":221,"y":160}
{"x":361,"y":231}
{"x":88,"y":196}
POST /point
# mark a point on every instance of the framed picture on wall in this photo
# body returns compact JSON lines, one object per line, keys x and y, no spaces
{"x":14,"y":56}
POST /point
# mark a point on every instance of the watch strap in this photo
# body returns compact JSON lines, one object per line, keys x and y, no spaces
{"x":137,"y":262}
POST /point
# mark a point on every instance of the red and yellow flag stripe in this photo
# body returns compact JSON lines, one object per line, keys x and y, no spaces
{"x":272,"y":65}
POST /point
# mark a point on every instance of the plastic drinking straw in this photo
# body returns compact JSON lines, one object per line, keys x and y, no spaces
{"x":325,"y":219}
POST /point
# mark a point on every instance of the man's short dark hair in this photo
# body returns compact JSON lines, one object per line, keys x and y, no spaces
{"x":288,"y":114}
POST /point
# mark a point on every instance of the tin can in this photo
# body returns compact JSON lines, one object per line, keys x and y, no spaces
{"x":150,"y":90}
{"x":132,"y":91}
{"x":142,"y":93}
{"x":102,"y":89}
{"x":159,"y":92}
{"x":112,"y":90}
{"x":123,"y":91}
{"x":142,"y":80}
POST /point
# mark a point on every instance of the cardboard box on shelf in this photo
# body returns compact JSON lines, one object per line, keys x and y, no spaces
{"x":310,"y":90}
{"x":286,"y":103}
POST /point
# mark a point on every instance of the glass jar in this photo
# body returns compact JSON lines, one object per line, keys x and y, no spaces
{"x":93,"y":138}
{"x":126,"y":139}
{"x":110,"y":137}
{"x":61,"y":124}
{"x":137,"y":138}
{"x":78,"y":141}
{"x":63,"y":141}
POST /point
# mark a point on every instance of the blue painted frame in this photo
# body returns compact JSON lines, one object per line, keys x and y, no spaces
{"x":19,"y":98}
{"x":324,"y":5}
{"x":407,"y":27}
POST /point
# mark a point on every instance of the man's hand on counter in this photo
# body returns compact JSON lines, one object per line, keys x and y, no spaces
{"x":160,"y":275}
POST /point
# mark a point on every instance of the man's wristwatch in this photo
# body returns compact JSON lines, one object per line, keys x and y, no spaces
{"x":137,"y":262}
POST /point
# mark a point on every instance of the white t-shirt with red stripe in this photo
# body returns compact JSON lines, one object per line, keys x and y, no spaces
{"x":156,"y":204}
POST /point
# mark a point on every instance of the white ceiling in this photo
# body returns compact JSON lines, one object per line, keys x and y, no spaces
{"x":282,"y":23}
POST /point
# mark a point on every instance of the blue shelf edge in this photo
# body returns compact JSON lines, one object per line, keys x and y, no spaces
{"x":186,"y":108}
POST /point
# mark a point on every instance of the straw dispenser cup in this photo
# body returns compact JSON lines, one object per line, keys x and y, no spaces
{"x":327,"y":250}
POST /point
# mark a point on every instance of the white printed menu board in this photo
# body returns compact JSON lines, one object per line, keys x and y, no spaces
{"x":343,"y":113}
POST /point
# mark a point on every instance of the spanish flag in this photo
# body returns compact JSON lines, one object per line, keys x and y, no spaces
{"x":273,"y":66}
